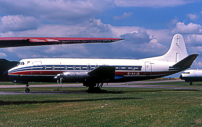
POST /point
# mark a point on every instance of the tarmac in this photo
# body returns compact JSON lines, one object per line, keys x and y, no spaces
{"x":135,"y":84}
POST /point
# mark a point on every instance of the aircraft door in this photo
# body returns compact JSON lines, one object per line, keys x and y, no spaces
{"x":60,"y":69}
{"x":177,"y":57}
{"x":88,"y":67}
{"x":148,"y":68}
{"x":194,"y":73}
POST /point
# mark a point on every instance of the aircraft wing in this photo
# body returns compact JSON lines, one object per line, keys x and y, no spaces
{"x":103,"y":71}
{"x":36,"y":41}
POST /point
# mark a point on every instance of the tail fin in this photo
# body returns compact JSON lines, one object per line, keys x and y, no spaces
{"x":177,"y":51}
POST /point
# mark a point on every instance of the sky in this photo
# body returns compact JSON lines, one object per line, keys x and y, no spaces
{"x":147,"y":27}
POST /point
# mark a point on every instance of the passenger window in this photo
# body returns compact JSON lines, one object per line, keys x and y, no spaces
{"x":130,"y":68}
{"x":84,"y":67}
{"x":123,"y":68}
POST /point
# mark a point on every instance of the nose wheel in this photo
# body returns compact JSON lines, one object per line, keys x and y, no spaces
{"x":27,"y":90}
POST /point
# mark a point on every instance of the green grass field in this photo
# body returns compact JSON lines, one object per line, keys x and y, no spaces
{"x":174,"y":83}
{"x":113,"y":107}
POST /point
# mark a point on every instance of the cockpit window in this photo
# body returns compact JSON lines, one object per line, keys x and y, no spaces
{"x":21,"y":63}
{"x":186,"y":72}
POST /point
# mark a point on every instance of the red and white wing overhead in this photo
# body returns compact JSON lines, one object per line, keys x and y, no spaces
{"x":37,"y":41}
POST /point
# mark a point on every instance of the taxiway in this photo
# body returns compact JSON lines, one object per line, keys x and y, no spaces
{"x":136,"y":84}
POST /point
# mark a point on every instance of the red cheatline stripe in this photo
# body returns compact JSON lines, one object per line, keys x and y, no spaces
{"x":117,"y":73}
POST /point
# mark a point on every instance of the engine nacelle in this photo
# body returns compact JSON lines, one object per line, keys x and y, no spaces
{"x":71,"y":76}
{"x":75,"y":75}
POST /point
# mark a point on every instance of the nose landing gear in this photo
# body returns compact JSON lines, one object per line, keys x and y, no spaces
{"x":27,"y":90}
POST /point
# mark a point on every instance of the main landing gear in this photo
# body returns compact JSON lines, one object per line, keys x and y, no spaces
{"x":190,"y":83}
{"x":99,"y":85}
{"x":93,"y":87}
{"x":27,"y":90}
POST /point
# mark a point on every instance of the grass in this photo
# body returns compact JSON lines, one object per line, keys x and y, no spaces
{"x":179,"y":83}
{"x":114,"y":107}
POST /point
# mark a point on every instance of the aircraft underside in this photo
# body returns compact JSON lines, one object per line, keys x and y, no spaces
{"x":127,"y":76}
{"x":187,"y":79}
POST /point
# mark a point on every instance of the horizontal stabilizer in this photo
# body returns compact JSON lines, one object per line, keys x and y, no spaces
{"x":103,"y":71}
{"x":186,"y":62}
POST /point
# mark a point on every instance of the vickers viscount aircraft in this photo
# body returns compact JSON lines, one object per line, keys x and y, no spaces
{"x":95,"y":72}
{"x":191,"y":75}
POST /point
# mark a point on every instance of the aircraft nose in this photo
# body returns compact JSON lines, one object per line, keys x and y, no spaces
{"x":5,"y":73}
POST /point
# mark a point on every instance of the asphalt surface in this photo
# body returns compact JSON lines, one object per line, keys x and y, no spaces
{"x":136,"y":84}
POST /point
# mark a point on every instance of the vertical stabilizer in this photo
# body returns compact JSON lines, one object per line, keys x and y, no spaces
{"x":176,"y":53}
{"x":177,"y":49}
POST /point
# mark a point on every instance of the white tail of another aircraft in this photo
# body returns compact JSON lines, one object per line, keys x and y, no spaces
{"x":177,"y":51}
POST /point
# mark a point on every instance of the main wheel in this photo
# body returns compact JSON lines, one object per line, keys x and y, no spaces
{"x":27,"y":90}
{"x":191,"y":83}
{"x":93,"y":89}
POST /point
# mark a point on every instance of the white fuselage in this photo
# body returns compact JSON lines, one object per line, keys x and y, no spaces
{"x":127,"y":69}
{"x":192,"y":75}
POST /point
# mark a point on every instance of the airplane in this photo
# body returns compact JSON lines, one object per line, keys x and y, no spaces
{"x":94,"y":72}
{"x":191,"y":75}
